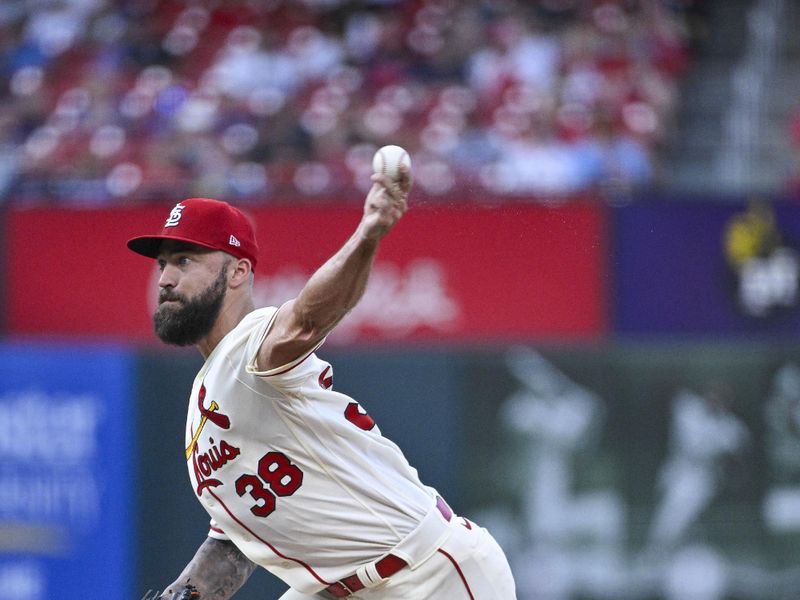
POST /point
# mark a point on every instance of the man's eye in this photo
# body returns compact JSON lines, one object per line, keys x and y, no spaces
{"x":161,"y":265}
{"x":184,"y":260}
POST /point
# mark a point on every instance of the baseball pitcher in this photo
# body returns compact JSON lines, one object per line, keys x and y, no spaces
{"x":296,"y":477}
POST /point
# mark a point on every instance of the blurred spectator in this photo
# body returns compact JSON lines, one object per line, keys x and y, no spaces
{"x":143,"y":101}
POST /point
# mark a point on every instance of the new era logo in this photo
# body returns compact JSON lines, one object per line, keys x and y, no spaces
{"x":234,"y":242}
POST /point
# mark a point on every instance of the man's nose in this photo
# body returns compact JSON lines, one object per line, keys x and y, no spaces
{"x":168,"y":277}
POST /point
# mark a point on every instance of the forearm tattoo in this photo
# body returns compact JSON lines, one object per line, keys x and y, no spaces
{"x":217,"y":570}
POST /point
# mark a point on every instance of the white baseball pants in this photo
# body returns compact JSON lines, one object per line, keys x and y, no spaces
{"x":469,"y":566}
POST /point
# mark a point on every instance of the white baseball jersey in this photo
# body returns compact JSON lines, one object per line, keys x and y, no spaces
{"x":297,"y":475}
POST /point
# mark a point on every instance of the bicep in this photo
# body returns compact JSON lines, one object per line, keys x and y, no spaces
{"x":288,"y":338}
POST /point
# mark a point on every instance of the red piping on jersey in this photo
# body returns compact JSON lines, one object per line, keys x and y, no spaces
{"x":460,"y":574}
{"x":271,"y":547}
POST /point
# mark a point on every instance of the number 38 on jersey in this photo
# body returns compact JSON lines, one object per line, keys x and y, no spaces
{"x":277,"y":477}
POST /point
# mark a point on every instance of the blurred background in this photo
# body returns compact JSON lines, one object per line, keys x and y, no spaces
{"x":584,"y":333}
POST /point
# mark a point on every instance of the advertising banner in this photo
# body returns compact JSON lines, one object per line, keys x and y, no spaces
{"x":445,"y":273}
{"x":709,"y":269}
{"x":66,"y":476}
{"x":639,"y":471}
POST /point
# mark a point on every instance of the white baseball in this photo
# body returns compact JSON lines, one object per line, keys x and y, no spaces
{"x":387,"y":161}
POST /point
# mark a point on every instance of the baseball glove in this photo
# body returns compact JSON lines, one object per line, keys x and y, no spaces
{"x":187,"y":592}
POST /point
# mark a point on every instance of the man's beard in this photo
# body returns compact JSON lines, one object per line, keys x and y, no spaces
{"x":192,"y":320}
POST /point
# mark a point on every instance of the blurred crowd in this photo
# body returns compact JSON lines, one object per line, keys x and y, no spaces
{"x":116,"y":102}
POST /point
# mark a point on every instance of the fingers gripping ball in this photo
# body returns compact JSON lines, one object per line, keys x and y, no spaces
{"x":387,"y":161}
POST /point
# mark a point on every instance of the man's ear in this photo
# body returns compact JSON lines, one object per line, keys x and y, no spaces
{"x":241,"y":272}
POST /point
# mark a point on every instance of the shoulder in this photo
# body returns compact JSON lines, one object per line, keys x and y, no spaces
{"x":255,"y":322}
{"x":247,"y":334}
{"x":259,"y":314}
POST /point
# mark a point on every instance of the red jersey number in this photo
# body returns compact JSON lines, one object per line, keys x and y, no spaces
{"x":358,"y":416}
{"x":277,"y":476}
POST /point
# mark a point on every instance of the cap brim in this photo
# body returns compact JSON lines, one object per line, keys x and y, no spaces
{"x":150,"y":245}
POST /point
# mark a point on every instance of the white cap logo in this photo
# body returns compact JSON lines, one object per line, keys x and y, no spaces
{"x":234,"y":242}
{"x":175,"y":215}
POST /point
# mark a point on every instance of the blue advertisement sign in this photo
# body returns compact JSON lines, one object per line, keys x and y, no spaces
{"x":66,"y":427}
{"x":708,"y":269}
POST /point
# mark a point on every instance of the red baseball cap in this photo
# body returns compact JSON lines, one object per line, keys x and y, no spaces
{"x":209,"y":223}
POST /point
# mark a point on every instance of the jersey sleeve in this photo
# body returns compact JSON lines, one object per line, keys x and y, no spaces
{"x":290,"y":375}
{"x":216,"y":532}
